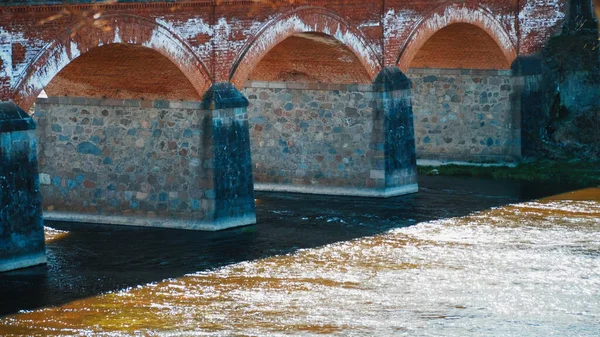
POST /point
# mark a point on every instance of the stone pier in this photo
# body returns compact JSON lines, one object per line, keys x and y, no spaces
{"x":21,"y":224}
{"x":147,"y":163}
{"x":467,"y":115}
{"x":334,"y":139}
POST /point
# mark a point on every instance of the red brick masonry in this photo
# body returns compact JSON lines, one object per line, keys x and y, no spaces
{"x":218,"y":41}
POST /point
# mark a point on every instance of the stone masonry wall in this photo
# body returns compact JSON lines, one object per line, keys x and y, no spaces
{"x":466,"y":115}
{"x":126,"y":161}
{"x":323,"y":139}
{"x":311,"y":136}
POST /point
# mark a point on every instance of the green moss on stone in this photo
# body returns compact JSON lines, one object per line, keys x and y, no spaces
{"x":580,"y":173}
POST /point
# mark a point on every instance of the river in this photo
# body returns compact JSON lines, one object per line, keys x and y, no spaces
{"x":464,"y":257}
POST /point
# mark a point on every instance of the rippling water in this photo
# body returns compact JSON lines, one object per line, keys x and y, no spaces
{"x":528,"y":268}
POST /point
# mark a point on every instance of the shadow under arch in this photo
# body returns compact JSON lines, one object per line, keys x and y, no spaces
{"x":447,"y":15}
{"x":125,"y":29}
{"x":303,"y":20}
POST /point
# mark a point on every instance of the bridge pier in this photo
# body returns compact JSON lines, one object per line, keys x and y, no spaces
{"x":560,"y":86}
{"x":21,"y":224}
{"x":469,"y":115}
{"x":531,"y":102}
{"x":572,"y":61}
{"x":147,"y":163}
{"x":333,"y":139}
{"x":232,"y":160}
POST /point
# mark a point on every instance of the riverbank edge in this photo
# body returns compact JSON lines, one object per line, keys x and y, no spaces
{"x":572,"y":171}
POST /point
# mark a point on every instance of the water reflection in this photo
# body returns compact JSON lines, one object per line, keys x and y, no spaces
{"x":529,"y":268}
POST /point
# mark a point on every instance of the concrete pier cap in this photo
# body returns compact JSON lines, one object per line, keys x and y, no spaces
{"x":21,"y":224}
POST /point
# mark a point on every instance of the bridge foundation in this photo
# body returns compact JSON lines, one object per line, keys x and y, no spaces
{"x":469,"y":115}
{"x":560,"y":87}
{"x":21,"y":224}
{"x":147,"y":163}
{"x":334,"y":139}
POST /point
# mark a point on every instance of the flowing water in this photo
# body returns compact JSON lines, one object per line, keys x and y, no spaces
{"x":464,"y":257}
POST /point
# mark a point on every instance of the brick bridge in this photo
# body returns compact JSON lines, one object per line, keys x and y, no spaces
{"x":148,"y":114}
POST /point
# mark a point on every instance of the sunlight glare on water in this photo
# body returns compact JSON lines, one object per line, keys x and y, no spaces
{"x":530,"y":269}
{"x":52,"y":234}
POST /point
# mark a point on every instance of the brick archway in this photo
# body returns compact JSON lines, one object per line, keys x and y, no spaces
{"x":445,"y":16}
{"x":125,"y":29}
{"x":303,"y":20}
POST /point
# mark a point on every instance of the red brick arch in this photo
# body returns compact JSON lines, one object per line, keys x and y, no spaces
{"x":303,"y":20}
{"x":125,"y":29}
{"x":447,"y":15}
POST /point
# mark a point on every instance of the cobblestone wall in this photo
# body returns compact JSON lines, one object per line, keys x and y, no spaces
{"x":467,"y":115}
{"x":128,"y":161}
{"x":305,"y":137}
{"x":318,"y":138}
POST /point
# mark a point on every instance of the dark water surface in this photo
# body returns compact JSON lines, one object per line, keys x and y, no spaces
{"x":87,"y":260}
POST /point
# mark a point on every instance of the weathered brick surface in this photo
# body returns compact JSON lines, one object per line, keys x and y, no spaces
{"x":220,"y":41}
{"x":323,"y":60}
{"x":464,"y":46}
{"x":125,"y":72}
{"x":465,"y":115}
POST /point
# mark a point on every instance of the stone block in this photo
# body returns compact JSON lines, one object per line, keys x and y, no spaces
{"x":192,"y":105}
{"x":176,"y":105}
{"x":299,"y":86}
{"x":44,"y":179}
{"x":161,"y":104}
{"x":146,"y":104}
{"x":92,"y":101}
{"x":131,"y":103}
{"x":277,"y":85}
{"x":377,"y":174}
{"x":110,"y":102}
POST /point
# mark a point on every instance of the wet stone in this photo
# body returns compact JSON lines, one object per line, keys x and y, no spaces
{"x":89,"y":148}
